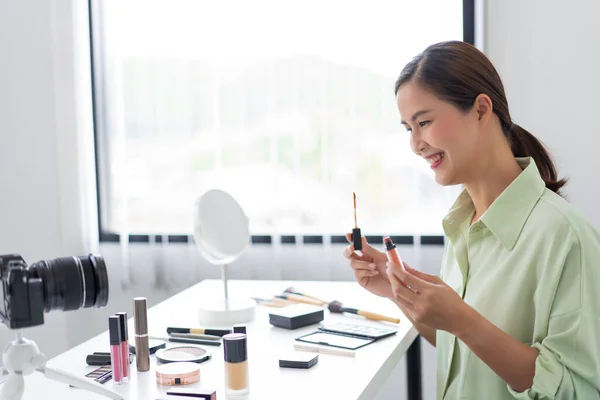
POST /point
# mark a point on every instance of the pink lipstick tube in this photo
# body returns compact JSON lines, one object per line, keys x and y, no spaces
{"x":116,"y":361}
{"x":124,"y":345}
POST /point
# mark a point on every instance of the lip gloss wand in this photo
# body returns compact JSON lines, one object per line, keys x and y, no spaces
{"x":356,"y":235}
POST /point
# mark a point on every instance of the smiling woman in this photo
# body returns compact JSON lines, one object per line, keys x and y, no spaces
{"x":514,"y":312}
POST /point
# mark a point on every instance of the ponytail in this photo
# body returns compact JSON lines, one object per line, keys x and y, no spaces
{"x":524,"y":144}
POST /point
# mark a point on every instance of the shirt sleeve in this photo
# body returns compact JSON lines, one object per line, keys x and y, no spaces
{"x":568,"y":363}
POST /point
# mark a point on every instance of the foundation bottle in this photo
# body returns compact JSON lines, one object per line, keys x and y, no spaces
{"x":235,"y":349}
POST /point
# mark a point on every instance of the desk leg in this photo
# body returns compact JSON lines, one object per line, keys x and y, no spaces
{"x":413,"y":370}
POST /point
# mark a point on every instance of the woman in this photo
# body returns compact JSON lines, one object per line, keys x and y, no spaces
{"x":515,"y":312}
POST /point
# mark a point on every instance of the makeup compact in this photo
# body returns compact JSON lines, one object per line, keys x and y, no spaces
{"x":298,"y":359}
{"x":182,"y":353}
{"x":362,"y":331}
{"x":335,"y":340}
{"x":177,"y":373}
{"x":296,"y":316}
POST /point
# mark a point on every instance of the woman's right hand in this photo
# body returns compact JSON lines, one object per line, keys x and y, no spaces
{"x":369,"y":268}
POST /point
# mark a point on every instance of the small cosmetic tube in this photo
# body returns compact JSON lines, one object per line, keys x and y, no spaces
{"x":124,"y":345}
{"x":114,"y":329}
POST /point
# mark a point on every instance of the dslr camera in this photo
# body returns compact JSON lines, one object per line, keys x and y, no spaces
{"x":66,"y":283}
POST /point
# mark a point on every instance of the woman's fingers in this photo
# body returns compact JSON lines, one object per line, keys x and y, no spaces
{"x":362,"y":265}
{"x":401,"y":292}
{"x":363,"y":273}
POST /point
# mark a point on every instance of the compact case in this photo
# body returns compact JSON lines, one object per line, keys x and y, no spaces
{"x":298,"y":359}
{"x":186,"y":353}
{"x":177,"y":373}
{"x":296,"y":316}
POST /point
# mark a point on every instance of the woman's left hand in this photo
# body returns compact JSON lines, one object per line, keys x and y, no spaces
{"x":427,"y":298}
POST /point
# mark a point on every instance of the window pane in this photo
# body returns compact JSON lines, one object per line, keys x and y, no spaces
{"x":288,"y":105}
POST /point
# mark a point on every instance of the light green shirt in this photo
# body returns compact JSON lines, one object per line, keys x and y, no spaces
{"x":531,"y":266}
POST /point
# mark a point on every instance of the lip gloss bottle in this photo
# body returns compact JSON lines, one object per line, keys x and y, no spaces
{"x":392,"y":252}
{"x":114,"y":331}
{"x":124,"y":345}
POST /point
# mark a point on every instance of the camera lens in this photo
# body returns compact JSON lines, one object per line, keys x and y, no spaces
{"x":70,"y":283}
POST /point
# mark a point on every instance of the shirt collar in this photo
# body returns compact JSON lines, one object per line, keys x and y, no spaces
{"x":507,"y":215}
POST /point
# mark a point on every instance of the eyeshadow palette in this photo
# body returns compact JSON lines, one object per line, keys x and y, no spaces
{"x":369,"y":332}
{"x":101,"y":375}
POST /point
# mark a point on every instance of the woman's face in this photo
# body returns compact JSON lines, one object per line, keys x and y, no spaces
{"x":439,"y":132}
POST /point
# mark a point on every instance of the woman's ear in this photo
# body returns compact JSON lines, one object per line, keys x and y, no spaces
{"x":484,"y":108}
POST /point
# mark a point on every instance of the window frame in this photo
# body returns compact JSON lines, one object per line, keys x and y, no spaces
{"x":106,"y":236}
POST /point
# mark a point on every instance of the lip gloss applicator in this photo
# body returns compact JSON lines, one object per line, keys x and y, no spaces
{"x":356,"y":235}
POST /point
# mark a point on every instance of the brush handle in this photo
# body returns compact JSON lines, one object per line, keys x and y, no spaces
{"x":323,"y":302}
{"x":377,"y":317}
{"x":302,"y":299}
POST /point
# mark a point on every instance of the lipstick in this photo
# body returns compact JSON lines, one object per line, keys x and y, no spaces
{"x":140,"y":319}
{"x":114,"y":330}
{"x":124,"y":345}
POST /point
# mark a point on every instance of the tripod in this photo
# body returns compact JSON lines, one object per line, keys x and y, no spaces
{"x":22,"y":356}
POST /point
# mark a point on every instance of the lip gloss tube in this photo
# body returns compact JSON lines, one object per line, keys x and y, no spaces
{"x":392,"y":252}
{"x":124,"y":345}
{"x":114,"y":330}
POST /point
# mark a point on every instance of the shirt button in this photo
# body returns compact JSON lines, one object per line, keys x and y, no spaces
{"x":477,"y":230}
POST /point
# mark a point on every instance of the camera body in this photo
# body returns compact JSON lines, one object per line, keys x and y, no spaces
{"x":22,"y":295}
{"x":65,"y":283}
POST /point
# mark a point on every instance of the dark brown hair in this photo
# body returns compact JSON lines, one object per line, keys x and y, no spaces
{"x":458,"y":72}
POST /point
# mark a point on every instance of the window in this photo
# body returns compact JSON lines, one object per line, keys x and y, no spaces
{"x":288,"y":105}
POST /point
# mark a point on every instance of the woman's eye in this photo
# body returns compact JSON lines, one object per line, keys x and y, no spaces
{"x":423,"y":123}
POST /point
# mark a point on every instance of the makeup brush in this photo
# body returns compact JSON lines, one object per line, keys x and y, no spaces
{"x":338,"y":308}
{"x":293,"y":290}
{"x":356,"y":235}
{"x":300,"y":299}
{"x":270,"y":303}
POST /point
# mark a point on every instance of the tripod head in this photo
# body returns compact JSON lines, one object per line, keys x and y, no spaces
{"x":22,"y":357}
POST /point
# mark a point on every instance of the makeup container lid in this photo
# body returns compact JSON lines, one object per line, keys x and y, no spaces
{"x":389,"y":245}
{"x":123,"y":323}
{"x":140,"y":315}
{"x":296,"y":316}
{"x":235,"y":347}
{"x":239,"y":329}
{"x":114,"y":330}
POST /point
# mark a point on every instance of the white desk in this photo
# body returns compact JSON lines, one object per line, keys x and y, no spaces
{"x":334,"y":377}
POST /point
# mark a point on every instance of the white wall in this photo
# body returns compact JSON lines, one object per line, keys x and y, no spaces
{"x":546,"y":52}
